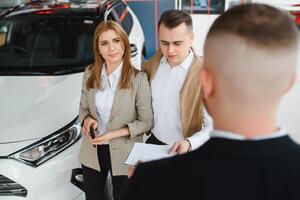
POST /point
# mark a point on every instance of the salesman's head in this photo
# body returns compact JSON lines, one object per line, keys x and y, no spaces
{"x":250,"y":58}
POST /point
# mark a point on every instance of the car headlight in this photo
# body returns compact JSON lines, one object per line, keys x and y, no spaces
{"x":44,"y":149}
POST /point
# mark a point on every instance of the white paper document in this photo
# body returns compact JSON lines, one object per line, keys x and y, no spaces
{"x":147,"y":152}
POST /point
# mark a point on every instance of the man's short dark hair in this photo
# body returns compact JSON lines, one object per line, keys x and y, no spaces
{"x":257,"y":24}
{"x":173,"y":18}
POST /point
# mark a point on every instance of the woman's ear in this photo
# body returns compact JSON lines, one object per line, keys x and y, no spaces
{"x":206,"y":81}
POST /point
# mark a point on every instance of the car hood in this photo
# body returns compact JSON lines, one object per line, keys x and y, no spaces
{"x":32,"y":107}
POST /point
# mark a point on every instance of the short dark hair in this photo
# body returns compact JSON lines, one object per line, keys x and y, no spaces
{"x":258,"y":24}
{"x":173,"y":18}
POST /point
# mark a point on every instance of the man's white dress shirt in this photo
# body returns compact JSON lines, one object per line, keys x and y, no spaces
{"x":235,"y":136}
{"x":166,"y":87}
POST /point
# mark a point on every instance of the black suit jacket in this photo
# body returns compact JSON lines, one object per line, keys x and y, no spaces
{"x":223,"y":169}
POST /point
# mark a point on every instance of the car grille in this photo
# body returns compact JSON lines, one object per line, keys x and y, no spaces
{"x":10,"y":188}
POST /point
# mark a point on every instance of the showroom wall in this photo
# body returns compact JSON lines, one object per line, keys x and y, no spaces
{"x":148,"y":12}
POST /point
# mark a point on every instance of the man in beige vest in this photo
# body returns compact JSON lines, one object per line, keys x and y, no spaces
{"x":173,"y":73}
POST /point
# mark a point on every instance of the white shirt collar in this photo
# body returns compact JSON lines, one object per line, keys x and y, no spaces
{"x":114,"y":76}
{"x":235,"y":136}
{"x":185,"y":64}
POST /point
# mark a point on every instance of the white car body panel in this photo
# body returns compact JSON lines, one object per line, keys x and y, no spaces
{"x":39,"y":105}
{"x":137,"y":37}
{"x":53,"y":176}
{"x":11,"y":147}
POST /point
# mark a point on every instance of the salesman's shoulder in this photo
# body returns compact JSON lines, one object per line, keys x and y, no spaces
{"x":165,"y":178}
{"x":188,"y":162}
{"x":167,"y":166}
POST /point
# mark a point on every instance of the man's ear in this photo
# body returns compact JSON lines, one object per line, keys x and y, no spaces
{"x":192,"y":36}
{"x":206,"y":81}
{"x":292,"y":83}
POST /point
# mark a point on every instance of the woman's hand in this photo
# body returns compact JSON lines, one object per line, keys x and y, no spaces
{"x":110,"y":135}
{"x":102,"y":139}
{"x":87,"y":122}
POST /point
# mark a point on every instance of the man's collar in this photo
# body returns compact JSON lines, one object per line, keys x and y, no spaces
{"x":235,"y":136}
{"x":186,"y":63}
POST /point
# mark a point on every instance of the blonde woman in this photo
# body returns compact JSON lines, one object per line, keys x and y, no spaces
{"x":116,"y":103}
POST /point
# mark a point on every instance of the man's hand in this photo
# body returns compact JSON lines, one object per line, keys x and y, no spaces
{"x":180,"y":147}
{"x":131,"y":168}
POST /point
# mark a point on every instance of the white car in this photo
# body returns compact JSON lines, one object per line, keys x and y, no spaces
{"x":44,"y":48}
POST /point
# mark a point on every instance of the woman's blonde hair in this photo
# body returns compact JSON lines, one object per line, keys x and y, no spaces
{"x":96,"y":69}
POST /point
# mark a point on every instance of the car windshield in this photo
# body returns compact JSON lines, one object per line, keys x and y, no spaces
{"x":7,"y":3}
{"x":45,"y":43}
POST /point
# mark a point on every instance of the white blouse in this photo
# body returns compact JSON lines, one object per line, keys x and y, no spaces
{"x":104,"y":98}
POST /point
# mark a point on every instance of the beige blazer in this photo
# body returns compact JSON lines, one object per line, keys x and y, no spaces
{"x":191,"y":104}
{"x":132,"y":108}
